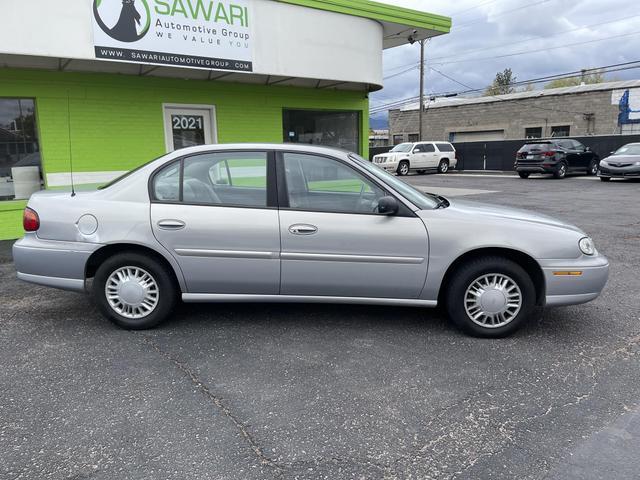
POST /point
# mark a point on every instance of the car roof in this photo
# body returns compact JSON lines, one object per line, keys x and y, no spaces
{"x":296,"y":147}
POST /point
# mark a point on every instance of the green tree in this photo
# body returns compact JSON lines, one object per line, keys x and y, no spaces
{"x":503,"y":83}
{"x":595,"y":77}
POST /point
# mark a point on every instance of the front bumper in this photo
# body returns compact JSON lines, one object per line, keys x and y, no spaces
{"x":536,"y":167}
{"x":574,"y":289}
{"x":52,"y":263}
{"x":389,"y":167}
{"x":610,"y":171}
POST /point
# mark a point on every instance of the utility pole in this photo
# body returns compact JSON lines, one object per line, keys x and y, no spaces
{"x":421,"y":89}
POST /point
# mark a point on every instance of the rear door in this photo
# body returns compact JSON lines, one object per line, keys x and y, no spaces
{"x":333,"y":241}
{"x":216,"y":212}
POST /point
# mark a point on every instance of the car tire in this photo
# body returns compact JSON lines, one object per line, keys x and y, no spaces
{"x":496,"y":319}
{"x":593,"y":168}
{"x":443,"y":166}
{"x":605,"y":179}
{"x":403,"y":168}
{"x":561,"y":171}
{"x":524,"y":174}
{"x":143,"y":294}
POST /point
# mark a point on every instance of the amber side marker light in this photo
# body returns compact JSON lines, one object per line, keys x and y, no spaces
{"x":567,"y":274}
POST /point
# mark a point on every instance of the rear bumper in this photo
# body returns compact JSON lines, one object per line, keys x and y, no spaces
{"x":52,"y":263}
{"x":574,"y":289}
{"x":535,"y":167}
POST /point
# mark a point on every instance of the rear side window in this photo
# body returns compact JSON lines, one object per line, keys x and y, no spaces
{"x":166,"y":183}
{"x":444,"y":147}
{"x":428,"y":147}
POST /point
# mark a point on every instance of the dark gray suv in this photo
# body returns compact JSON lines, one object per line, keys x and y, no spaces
{"x":557,"y":157}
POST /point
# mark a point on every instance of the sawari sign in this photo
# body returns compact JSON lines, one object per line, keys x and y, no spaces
{"x":187,"y":33}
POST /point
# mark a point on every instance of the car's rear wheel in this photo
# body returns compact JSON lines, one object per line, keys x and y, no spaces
{"x":403,"y":168}
{"x":443,"y":166}
{"x":605,"y":179}
{"x":561,"y":171}
{"x":490,"y":297}
{"x":593,"y":168}
{"x":134,"y":291}
{"x":524,"y":174}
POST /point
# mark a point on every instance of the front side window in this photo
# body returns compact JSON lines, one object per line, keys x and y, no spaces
{"x":323,"y":184}
{"x":221,"y":178}
{"x":20,"y":174}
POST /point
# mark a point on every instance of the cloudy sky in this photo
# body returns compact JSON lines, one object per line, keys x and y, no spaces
{"x":491,"y":28}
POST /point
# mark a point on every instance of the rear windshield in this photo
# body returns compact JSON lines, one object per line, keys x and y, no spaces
{"x":631,"y":149}
{"x":444,"y":147}
{"x":538,"y":146}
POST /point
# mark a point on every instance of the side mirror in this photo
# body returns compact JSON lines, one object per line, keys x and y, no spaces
{"x":587,"y":149}
{"x":388,"y":206}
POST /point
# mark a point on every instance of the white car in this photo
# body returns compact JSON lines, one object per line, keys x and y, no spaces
{"x":419,"y":156}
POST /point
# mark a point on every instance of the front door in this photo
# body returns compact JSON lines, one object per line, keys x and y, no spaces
{"x":188,"y":125}
{"x":333,"y":241}
{"x":431,"y":156}
{"x":215,"y":214}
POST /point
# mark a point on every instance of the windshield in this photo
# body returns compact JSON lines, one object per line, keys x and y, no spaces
{"x":402,"y":147}
{"x":424,"y":201}
{"x":630,"y":149}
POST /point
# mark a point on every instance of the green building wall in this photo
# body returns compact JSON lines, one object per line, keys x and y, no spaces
{"x":117,"y":120}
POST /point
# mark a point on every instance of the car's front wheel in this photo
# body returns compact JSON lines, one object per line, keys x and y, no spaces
{"x":134,"y":291}
{"x":403,"y":168}
{"x":490,"y":297}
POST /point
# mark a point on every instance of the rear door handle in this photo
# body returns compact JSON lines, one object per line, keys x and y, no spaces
{"x":171,"y":224}
{"x":303,"y":229}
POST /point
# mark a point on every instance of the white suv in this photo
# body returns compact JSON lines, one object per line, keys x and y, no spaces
{"x":419,"y":156}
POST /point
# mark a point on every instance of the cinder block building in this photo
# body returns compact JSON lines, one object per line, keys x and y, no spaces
{"x":599,"y":109}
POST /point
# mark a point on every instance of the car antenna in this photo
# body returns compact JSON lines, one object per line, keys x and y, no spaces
{"x":73,"y":190}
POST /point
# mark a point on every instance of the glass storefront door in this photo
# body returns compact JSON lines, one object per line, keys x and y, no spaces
{"x":186,"y":126}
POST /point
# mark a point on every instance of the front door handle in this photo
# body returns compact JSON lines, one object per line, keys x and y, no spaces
{"x":303,"y":229}
{"x":171,"y":224}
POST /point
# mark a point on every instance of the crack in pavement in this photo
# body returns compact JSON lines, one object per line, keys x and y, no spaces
{"x":204,"y":389}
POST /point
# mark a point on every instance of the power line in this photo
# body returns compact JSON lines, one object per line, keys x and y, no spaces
{"x":500,"y":14}
{"x":604,"y":69}
{"x":527,"y":52}
{"x":523,"y":41}
{"x":473,"y":8}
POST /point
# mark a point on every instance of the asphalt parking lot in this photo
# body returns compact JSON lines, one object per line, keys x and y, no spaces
{"x":335,"y":392}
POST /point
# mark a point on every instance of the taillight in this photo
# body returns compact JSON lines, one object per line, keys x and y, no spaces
{"x":549,"y":153}
{"x":30,"y":220}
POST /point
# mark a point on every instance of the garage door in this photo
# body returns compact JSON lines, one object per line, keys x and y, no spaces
{"x":480,"y":136}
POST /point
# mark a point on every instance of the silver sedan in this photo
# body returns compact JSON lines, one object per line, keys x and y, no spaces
{"x":289,"y":223}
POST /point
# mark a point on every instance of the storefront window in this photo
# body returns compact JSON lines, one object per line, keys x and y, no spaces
{"x":329,"y":128}
{"x":19,"y":149}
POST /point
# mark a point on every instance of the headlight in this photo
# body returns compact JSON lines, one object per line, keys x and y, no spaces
{"x":637,"y":163}
{"x":587,"y":246}
{"x":604,"y":162}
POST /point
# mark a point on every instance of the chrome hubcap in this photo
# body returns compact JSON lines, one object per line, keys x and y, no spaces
{"x":444,"y":168}
{"x":493,"y":300}
{"x":132,"y":292}
{"x":404,"y":169}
